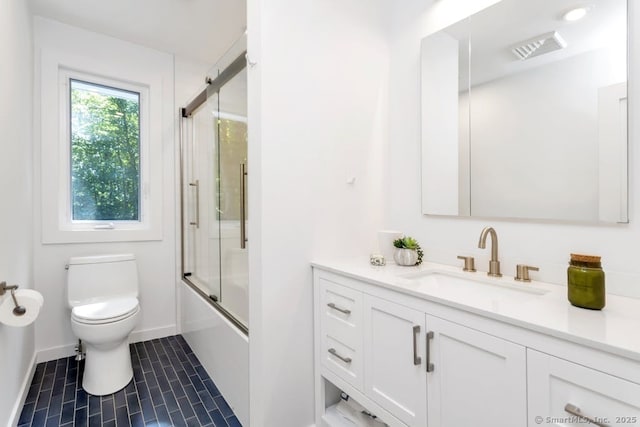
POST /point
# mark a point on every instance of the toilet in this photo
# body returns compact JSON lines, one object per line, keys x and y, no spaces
{"x":102,"y":292}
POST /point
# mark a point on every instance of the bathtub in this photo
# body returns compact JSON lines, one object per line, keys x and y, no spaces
{"x":220,"y":346}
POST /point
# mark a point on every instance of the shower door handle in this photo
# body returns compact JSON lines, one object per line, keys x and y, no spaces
{"x":243,"y":226}
{"x":197,"y":186}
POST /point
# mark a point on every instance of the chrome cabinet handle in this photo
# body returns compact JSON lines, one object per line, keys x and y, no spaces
{"x":243,"y":214}
{"x":417,"y":360}
{"x":336,"y":308}
{"x":197,"y":186}
{"x":430,"y":366}
{"x":333,"y":352}
{"x":574,"y":410}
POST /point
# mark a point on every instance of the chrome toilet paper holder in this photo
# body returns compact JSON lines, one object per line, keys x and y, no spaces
{"x":18,"y":310}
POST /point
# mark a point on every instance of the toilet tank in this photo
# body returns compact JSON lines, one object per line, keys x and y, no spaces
{"x":95,"y":278}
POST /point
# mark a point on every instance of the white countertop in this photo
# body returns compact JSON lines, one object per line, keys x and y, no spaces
{"x":615,"y":329}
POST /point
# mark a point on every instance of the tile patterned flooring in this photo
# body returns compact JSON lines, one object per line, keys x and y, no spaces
{"x":169,"y":388}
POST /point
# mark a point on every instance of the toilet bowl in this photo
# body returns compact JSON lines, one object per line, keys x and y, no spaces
{"x":104,"y":328}
{"x":102,"y":294}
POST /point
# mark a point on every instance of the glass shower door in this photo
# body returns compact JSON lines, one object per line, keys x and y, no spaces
{"x":214,"y":167}
{"x":232,"y":196}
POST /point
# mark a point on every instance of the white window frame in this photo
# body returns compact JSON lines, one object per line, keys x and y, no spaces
{"x":69,"y":223}
{"x":58,"y":226}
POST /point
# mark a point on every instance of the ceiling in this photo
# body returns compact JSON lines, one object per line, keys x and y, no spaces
{"x":200,"y":30}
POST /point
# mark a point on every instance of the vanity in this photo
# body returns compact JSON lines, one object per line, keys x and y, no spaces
{"x":434,"y":346}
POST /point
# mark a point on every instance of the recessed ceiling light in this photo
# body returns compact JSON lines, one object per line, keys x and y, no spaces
{"x":575,"y":14}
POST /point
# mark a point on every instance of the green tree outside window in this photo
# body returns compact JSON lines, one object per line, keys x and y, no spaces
{"x":105,"y":153}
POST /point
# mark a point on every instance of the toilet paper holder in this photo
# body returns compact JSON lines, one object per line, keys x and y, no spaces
{"x":18,"y":309}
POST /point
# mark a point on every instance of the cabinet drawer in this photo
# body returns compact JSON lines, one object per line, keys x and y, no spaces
{"x":558,"y":389}
{"x":341,"y":331}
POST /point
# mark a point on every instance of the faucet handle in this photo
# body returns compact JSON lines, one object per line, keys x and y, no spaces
{"x":469,"y":263}
{"x":522,"y":272}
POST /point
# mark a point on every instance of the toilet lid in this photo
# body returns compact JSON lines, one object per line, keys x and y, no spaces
{"x":105,"y":311}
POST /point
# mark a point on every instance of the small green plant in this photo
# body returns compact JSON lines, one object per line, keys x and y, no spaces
{"x":409,"y":243}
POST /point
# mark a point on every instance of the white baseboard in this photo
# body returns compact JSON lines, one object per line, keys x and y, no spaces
{"x":151,"y":334}
{"x":62,"y":351}
{"x":55,"y":353}
{"x":22,"y":394}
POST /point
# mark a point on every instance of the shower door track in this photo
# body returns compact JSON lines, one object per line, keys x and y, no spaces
{"x":216,"y":305}
{"x":213,"y":86}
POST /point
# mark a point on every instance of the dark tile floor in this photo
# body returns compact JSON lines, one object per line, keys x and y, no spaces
{"x":170,"y":388}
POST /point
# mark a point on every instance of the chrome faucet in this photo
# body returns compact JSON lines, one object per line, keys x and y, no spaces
{"x":494,"y":264}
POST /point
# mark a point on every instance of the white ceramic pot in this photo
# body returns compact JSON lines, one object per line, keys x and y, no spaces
{"x":405,"y":256}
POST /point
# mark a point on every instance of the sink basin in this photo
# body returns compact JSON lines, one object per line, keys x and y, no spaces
{"x":476,"y":287}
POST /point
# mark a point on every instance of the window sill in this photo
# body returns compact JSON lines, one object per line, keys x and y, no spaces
{"x":101,"y":235}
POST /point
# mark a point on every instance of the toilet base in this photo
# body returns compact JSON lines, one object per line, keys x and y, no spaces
{"x":106,"y":371}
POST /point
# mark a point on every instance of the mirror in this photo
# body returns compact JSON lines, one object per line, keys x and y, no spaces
{"x":524,"y":113}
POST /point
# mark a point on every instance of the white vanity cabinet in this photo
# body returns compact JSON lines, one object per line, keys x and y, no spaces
{"x":394,"y":348}
{"x":469,"y":377}
{"x":476,"y":379}
{"x":422,"y":369}
{"x":341,"y":333}
{"x":418,"y":360}
{"x":559,"y":390}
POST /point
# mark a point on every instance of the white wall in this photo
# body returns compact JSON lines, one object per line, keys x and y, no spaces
{"x":156,"y":259}
{"x":317,"y":117}
{"x":189,"y":80}
{"x":16,"y":90}
{"x":544,"y":244}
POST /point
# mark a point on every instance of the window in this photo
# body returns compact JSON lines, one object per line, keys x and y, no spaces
{"x":105,"y":142}
{"x":105,"y":152}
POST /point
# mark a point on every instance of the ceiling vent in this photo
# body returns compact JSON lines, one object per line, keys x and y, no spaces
{"x":539,"y":45}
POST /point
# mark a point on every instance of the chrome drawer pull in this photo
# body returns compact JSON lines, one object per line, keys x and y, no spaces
{"x":430,"y":367}
{"x":336,"y":308}
{"x":335,"y":353}
{"x":574,"y":410}
{"x":417,"y":360}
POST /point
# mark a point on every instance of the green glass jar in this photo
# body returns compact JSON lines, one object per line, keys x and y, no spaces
{"x":585,"y":282}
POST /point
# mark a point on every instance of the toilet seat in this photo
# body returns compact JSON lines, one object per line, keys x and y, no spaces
{"x":107,"y":311}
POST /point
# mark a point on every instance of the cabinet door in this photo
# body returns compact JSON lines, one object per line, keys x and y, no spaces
{"x":477,"y":379}
{"x":559,"y":389}
{"x":394,"y":348}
